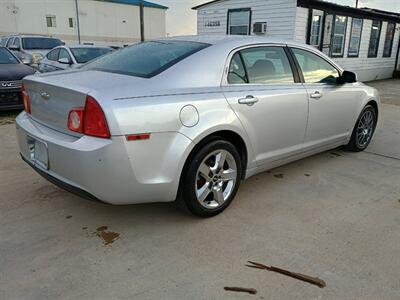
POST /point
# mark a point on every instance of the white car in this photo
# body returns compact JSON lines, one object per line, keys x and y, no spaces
{"x":65,"y":57}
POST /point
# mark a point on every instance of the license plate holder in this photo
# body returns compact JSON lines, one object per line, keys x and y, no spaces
{"x":38,"y":153}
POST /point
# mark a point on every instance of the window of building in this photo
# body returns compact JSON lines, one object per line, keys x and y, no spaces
{"x":387,"y":50}
{"x":51,"y":21}
{"x":239,"y":21}
{"x":338,"y":36}
{"x":262,"y":65}
{"x":71,"y":22}
{"x":314,"y":68}
{"x":374,"y":39}
{"x":355,"y":37}
{"x":316,"y":29}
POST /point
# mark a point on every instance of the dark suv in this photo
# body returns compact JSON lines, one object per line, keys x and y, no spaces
{"x":12,"y":70}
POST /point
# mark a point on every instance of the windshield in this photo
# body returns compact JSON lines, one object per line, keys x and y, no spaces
{"x":6,"y":57}
{"x":83,"y":55}
{"x":146,"y":59}
{"x":40,"y":43}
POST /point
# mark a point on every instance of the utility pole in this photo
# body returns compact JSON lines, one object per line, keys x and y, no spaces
{"x":77,"y":22}
{"x":141,"y":6}
{"x":356,"y":3}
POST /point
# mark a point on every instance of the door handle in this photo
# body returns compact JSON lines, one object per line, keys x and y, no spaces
{"x":316,"y":95}
{"x":249,"y":100}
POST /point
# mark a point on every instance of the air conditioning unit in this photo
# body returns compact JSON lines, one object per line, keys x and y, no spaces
{"x":260,"y":28}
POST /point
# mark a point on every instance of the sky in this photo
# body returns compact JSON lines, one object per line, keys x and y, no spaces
{"x":181,"y":19}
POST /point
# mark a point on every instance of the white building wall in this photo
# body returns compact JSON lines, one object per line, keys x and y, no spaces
{"x":101,"y":23}
{"x":280,"y":16}
{"x":366,"y":68}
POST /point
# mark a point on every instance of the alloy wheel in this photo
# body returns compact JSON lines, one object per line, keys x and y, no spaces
{"x":365,"y":128}
{"x":215,"y":179}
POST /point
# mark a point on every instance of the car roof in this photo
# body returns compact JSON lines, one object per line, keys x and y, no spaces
{"x":28,"y":36}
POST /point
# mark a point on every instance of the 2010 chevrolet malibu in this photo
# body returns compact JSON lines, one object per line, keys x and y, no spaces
{"x":189,"y":118}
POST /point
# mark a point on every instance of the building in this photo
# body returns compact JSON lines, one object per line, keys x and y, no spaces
{"x":101,"y":22}
{"x":365,"y":41}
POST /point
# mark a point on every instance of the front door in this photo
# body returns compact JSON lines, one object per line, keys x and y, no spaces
{"x":331,"y":105}
{"x":272,"y":107}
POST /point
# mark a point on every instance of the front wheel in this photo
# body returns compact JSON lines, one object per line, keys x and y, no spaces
{"x":211,"y":179}
{"x":363,"y":130}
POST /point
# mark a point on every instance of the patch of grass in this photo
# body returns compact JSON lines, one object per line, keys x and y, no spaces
{"x":8,"y":117}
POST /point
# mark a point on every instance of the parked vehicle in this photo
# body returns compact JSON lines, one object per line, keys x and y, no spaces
{"x":11,"y":73}
{"x":65,"y":57}
{"x":188,"y":118}
{"x":30,"y":49}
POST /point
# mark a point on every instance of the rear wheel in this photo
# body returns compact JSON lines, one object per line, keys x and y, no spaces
{"x":211,"y":179}
{"x":363,"y":130}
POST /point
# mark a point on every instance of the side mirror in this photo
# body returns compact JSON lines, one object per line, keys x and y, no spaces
{"x":64,"y":61}
{"x":14,"y":48}
{"x":347,"y":77}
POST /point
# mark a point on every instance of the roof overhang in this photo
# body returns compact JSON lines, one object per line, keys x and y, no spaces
{"x":365,"y":13}
{"x":136,"y":3}
{"x":205,"y":4}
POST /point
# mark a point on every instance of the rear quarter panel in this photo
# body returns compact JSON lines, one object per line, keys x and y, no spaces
{"x":157,"y":114}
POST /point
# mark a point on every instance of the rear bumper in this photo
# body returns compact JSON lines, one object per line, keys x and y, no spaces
{"x":61,"y":184}
{"x":109,"y":170}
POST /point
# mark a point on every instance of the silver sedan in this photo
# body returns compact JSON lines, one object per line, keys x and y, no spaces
{"x":189,"y":118}
{"x":65,"y":57}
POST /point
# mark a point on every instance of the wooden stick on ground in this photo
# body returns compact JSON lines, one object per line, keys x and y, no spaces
{"x":313,"y":280}
{"x":239,"y":289}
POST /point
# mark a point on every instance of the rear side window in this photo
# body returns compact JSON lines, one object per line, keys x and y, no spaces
{"x":264,"y":65}
{"x":53,"y":55}
{"x":10,"y":42}
{"x":315,"y":69}
{"x":146,"y":59}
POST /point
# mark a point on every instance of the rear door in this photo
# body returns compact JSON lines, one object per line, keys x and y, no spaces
{"x":265,"y":93}
{"x":332,"y":106}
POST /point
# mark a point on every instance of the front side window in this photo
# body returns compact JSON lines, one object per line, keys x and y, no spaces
{"x":316,"y":29}
{"x":339,"y":34}
{"x":315,"y":69}
{"x":264,"y":65}
{"x":374,"y":39}
{"x":6,"y":57}
{"x":40,"y":43}
{"x":387,"y":50}
{"x":146,"y":59}
{"x":355,"y":37}
{"x":239,"y":21}
{"x":83,"y":55}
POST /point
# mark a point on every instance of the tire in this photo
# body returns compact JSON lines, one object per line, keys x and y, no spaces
{"x":206,"y":188}
{"x":363,"y":130}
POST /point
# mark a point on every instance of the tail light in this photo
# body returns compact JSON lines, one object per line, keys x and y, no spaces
{"x":89,"y":120}
{"x":26,"y":99}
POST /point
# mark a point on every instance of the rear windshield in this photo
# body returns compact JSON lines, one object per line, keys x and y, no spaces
{"x":83,"y":55}
{"x":6,"y":57}
{"x":40,"y":43}
{"x":146,"y":59}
